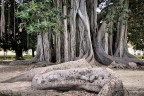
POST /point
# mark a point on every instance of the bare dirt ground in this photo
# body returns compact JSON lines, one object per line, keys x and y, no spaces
{"x":133,"y":80}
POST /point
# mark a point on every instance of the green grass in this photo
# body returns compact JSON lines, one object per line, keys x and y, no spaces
{"x":7,"y":57}
{"x":140,"y":57}
{"x":27,"y":56}
{"x":12,"y":57}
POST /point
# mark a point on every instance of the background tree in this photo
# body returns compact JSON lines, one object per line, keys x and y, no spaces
{"x":136,"y":24}
{"x":11,"y":38}
{"x":31,"y":43}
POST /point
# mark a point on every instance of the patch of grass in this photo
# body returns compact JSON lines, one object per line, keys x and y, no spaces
{"x":12,"y":57}
{"x":27,"y":56}
{"x":7,"y":57}
{"x":140,"y":57}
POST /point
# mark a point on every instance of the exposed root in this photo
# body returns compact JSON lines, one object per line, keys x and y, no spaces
{"x":130,"y":65}
{"x":90,"y":79}
{"x":113,"y":88}
{"x":28,"y":75}
{"x":117,"y":65}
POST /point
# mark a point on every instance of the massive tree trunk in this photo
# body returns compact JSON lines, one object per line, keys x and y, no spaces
{"x":76,"y":36}
{"x":86,"y":36}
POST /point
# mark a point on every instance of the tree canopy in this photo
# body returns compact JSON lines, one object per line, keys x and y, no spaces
{"x":37,"y":16}
{"x":11,"y":38}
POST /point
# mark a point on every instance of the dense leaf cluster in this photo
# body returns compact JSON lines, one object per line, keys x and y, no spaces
{"x":136,"y":24}
{"x":38,"y":16}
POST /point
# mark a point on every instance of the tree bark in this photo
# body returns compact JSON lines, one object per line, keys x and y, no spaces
{"x":66,"y":47}
{"x":2,"y":18}
{"x":33,"y":50}
{"x":75,"y":4}
{"x":19,"y":54}
{"x":78,"y":78}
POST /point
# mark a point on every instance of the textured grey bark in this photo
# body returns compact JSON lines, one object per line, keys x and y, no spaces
{"x":92,"y":79}
{"x":40,"y":47}
{"x":97,"y":80}
{"x":113,"y":88}
{"x":57,"y":39}
{"x":121,"y":35}
{"x":47,"y":50}
{"x":75,"y":4}
{"x":66,"y":47}
{"x":2,"y":27}
{"x":58,"y":51}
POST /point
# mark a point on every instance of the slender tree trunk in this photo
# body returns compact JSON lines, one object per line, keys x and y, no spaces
{"x":2,"y":18}
{"x":73,"y":14}
{"x":43,"y":47}
{"x":58,"y":51}
{"x":120,"y":48}
{"x":66,"y":47}
{"x":33,"y":50}
{"x":110,"y":46}
{"x":19,"y":54}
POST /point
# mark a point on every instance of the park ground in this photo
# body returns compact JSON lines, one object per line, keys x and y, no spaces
{"x":133,"y":80}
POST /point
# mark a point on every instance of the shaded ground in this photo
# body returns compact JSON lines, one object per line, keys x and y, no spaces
{"x":133,"y":81}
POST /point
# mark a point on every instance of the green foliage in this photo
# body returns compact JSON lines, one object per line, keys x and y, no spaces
{"x":136,"y":24}
{"x":27,"y":56}
{"x":38,"y":16}
{"x":116,"y":10}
